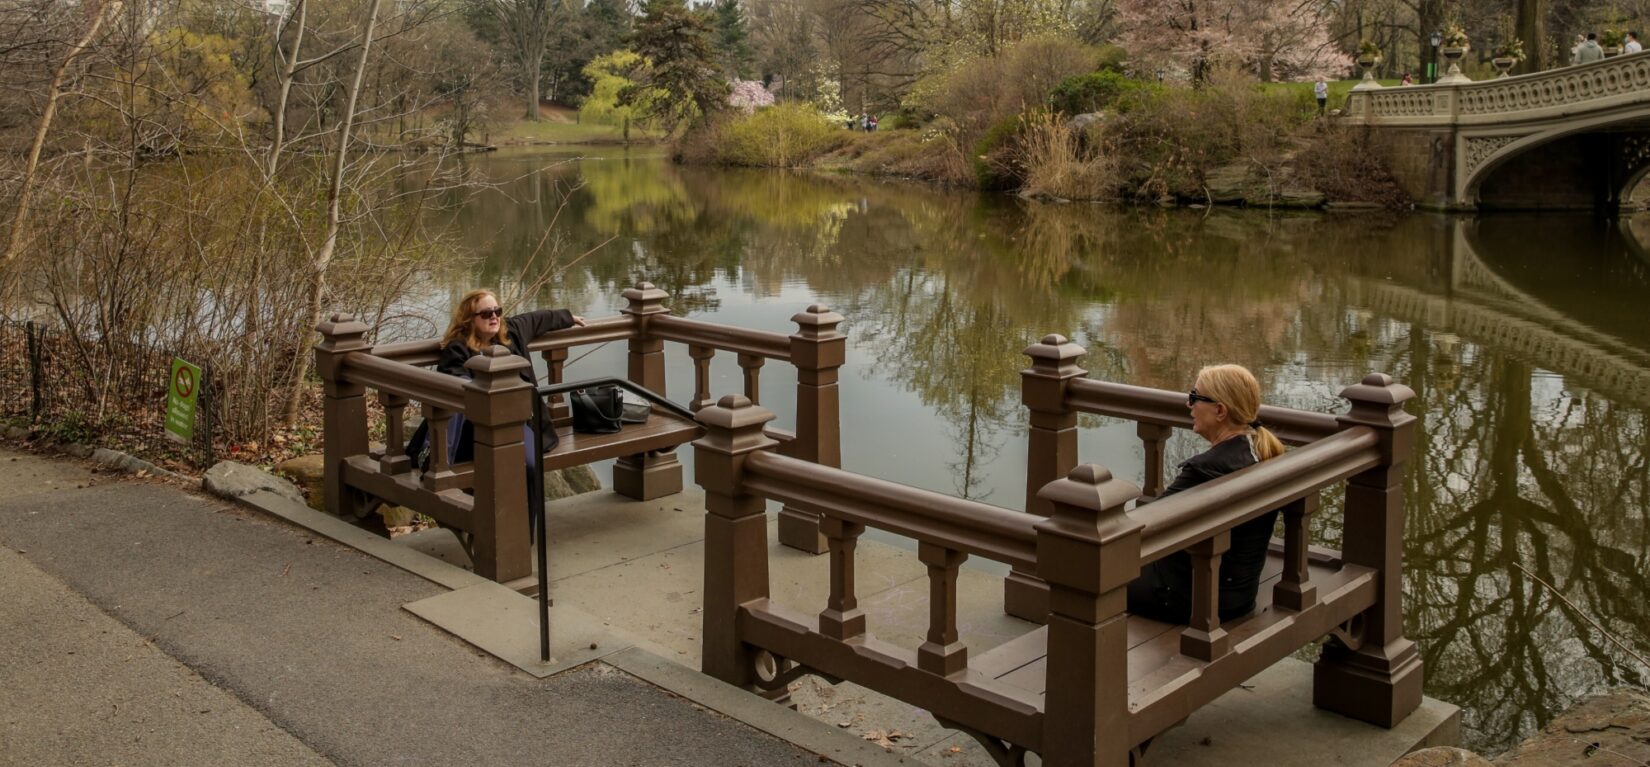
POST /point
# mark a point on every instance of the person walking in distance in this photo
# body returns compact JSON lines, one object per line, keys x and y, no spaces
{"x":1320,"y":89}
{"x":1633,"y":45}
{"x":1590,"y":50}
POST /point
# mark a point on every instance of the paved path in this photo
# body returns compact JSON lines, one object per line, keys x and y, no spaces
{"x":202,"y":634}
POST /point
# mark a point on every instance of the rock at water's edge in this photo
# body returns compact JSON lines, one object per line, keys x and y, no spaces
{"x":1442,"y":756}
{"x":1608,"y":729}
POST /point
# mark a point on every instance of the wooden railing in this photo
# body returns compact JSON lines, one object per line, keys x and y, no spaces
{"x":1095,"y":685}
{"x":484,"y":497}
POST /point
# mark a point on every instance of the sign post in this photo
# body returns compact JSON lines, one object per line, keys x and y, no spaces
{"x":181,"y":395}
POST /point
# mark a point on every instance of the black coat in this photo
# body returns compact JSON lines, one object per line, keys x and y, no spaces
{"x":522,"y":328}
{"x":1164,"y":589}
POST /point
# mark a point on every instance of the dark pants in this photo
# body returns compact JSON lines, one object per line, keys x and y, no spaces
{"x":1322,"y":104}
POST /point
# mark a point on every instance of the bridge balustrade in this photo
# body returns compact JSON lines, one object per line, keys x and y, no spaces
{"x":485,"y":497}
{"x":1095,"y":685}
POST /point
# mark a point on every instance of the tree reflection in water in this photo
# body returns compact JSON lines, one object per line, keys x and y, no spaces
{"x":1535,"y":444}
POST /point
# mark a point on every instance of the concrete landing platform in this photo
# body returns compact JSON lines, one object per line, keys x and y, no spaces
{"x":626,"y":574}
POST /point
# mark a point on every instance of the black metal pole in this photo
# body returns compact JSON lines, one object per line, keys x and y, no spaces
{"x":535,"y":478}
{"x":30,"y":331}
{"x":206,"y":410}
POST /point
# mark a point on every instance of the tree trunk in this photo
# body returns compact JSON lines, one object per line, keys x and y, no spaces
{"x":1529,"y":30}
{"x":1429,"y":18}
{"x":533,"y":93}
{"x":323,"y":256}
{"x":20,"y":220}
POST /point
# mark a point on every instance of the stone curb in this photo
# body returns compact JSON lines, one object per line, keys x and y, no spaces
{"x":102,"y":456}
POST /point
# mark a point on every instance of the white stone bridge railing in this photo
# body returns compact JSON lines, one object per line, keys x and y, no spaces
{"x":1622,"y":81}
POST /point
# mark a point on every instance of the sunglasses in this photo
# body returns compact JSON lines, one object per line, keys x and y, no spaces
{"x":488,"y":314}
{"x":1192,"y":398}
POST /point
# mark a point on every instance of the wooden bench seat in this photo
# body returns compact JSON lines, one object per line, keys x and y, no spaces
{"x":1155,"y":663}
{"x":663,"y":430}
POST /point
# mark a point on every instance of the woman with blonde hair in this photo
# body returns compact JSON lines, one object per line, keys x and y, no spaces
{"x":1225,"y":407}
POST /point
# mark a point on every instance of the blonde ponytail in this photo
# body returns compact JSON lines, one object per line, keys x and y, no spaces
{"x":1236,"y":388}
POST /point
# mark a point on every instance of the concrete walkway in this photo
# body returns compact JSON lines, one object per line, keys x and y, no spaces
{"x":142,"y":624}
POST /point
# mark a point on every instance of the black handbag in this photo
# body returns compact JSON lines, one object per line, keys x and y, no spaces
{"x":597,"y":409}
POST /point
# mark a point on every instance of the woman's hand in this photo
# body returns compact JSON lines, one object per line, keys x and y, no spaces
{"x":578,"y":321}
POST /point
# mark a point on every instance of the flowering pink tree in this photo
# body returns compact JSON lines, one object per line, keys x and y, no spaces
{"x":749,"y":95}
{"x":1276,"y":39}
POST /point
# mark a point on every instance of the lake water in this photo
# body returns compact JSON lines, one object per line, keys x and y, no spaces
{"x":1526,"y":339}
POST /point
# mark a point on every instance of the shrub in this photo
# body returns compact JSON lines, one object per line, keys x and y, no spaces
{"x":783,"y":136}
{"x":1062,"y":162}
{"x":986,"y":91}
{"x":995,"y":160}
{"x":1080,"y":94}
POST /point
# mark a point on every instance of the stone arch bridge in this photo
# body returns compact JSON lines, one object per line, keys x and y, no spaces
{"x":1564,"y":139}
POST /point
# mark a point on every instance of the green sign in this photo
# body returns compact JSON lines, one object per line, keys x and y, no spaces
{"x":181,"y":395}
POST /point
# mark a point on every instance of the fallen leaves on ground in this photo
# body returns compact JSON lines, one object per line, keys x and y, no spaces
{"x":885,"y":738}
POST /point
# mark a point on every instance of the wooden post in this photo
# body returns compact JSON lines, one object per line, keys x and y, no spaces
{"x":1380,"y":682}
{"x":842,"y":618}
{"x":1154,"y":437}
{"x":1051,"y":454}
{"x":736,"y":533}
{"x":499,"y":403}
{"x":343,"y":411}
{"x":943,"y":652}
{"x":648,"y":475}
{"x":1295,"y":589}
{"x":1203,"y":638}
{"x":817,"y":351}
{"x":1087,"y":552}
{"x":555,"y":361}
{"x":395,"y":460}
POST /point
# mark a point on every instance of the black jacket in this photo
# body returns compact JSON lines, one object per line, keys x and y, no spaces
{"x":1169,"y":580}
{"x":522,"y":328}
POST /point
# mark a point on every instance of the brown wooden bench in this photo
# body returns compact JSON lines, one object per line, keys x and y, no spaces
{"x":1095,"y":685}
{"x":485,"y":498}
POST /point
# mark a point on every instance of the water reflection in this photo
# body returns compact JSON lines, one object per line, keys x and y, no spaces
{"x":1524,"y":338}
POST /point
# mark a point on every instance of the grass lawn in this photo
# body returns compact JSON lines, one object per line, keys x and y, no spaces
{"x":549,"y":131}
{"x":1337,"y":89}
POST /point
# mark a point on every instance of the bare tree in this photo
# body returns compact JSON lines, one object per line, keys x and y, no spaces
{"x":526,"y":25}
{"x":20,"y":219}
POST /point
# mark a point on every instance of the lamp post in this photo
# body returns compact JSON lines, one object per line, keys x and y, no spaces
{"x":1432,"y":66}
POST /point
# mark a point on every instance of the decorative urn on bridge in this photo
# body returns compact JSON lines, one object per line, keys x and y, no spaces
{"x":1369,"y":57}
{"x":1507,"y":56}
{"x":1455,"y":46}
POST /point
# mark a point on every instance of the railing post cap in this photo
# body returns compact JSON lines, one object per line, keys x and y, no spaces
{"x":1377,"y":401}
{"x":342,"y":324}
{"x":817,"y":316}
{"x":644,"y":291}
{"x":495,"y":360}
{"x":735,"y":412}
{"x":1092,"y":487}
{"x":1055,"y":347}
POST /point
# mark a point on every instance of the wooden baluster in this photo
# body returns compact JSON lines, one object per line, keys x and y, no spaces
{"x":1051,"y":452}
{"x":942,"y":654}
{"x":736,"y":534}
{"x":555,"y":360}
{"x":1380,"y":682}
{"x":395,"y":460}
{"x":1154,"y":437}
{"x":752,"y":366}
{"x":841,"y":617}
{"x":701,"y":376}
{"x":440,"y":475}
{"x":343,"y":410}
{"x":1295,"y":589}
{"x":1087,"y":551}
{"x":1204,"y":639}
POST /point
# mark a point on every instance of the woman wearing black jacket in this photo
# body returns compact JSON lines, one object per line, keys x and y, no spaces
{"x":1224,"y":405}
{"x":477,"y":324}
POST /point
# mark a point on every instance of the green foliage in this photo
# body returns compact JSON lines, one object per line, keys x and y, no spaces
{"x":782,"y":136}
{"x":994,"y":164}
{"x":609,"y":76}
{"x":1112,"y":58}
{"x":678,"y":78}
{"x":578,"y":35}
{"x":732,"y":40}
{"x":1369,"y":50}
{"x":986,"y":91}
{"x":1080,"y":94}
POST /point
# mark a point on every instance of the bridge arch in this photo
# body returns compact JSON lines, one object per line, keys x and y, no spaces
{"x":1576,"y":137}
{"x":1592,"y":161}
